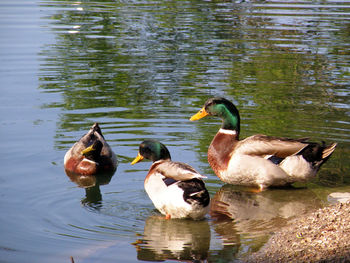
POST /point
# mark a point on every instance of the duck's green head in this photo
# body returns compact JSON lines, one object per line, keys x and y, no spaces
{"x":152,"y":150}
{"x":222,"y":108}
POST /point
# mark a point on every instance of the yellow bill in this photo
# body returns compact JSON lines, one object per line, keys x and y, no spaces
{"x":138,"y":158}
{"x":87,"y":150}
{"x":199,"y":115}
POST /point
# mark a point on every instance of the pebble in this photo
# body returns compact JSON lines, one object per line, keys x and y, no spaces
{"x":338,"y":197}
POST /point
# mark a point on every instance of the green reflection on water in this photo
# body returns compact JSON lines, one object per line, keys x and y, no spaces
{"x":142,"y":69}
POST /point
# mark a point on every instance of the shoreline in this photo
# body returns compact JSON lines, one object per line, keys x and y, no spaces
{"x":321,"y":236}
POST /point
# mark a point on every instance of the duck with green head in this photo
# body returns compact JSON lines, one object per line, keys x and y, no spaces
{"x":91,"y":155}
{"x":259,"y":160}
{"x":176,"y":189}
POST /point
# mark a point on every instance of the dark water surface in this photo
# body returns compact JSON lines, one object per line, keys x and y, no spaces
{"x":141,"y":69}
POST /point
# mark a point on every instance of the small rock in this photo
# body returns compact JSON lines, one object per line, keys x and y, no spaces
{"x":338,"y":197}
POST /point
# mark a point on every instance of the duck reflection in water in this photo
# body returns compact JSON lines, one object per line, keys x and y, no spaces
{"x":91,"y":184}
{"x":259,"y":214}
{"x":177,"y":239}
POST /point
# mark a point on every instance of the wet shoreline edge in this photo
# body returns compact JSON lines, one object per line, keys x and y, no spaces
{"x":320,"y":236}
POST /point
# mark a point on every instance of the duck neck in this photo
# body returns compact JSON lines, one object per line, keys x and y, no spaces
{"x":230,"y":120}
{"x":162,"y":160}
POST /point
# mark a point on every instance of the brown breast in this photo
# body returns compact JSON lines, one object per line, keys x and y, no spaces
{"x":220,"y":151}
{"x":87,"y":168}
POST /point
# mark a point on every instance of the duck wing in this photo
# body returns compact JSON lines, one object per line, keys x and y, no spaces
{"x":177,"y":171}
{"x":263,"y":145}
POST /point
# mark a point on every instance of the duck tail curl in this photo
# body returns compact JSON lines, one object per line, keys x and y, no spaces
{"x":327,"y":151}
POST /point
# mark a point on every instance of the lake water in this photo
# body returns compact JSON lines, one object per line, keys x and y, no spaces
{"x":141,"y":69}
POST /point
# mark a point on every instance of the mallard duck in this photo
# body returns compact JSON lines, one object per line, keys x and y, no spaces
{"x":90,"y":155}
{"x":259,"y":160}
{"x":175,"y":188}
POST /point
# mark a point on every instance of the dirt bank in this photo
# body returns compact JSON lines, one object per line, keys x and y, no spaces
{"x":323,"y":236}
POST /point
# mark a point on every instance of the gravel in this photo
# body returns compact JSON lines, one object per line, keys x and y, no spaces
{"x":323,"y":236}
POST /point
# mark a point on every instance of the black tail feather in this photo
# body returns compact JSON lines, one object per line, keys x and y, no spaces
{"x":317,"y":154}
{"x":195,"y":191}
